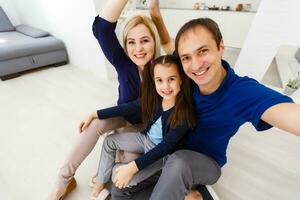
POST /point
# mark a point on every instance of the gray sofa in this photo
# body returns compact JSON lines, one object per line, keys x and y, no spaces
{"x":23,"y":47}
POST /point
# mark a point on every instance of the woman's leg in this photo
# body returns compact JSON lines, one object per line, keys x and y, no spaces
{"x":82,"y":148}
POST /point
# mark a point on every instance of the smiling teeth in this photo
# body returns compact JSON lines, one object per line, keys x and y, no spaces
{"x":140,"y":56}
{"x":200,"y":73}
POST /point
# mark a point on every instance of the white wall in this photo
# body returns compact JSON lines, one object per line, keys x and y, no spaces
{"x":70,"y":21}
{"x":277,"y":22}
{"x":10,"y":11}
{"x":234,"y":25}
{"x":210,"y":3}
{"x":99,"y":4}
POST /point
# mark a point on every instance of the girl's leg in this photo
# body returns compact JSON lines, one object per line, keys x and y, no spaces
{"x":140,"y":187}
{"x":82,"y":148}
{"x":126,"y":156}
{"x":131,"y":142}
{"x":121,"y":155}
{"x":148,"y":171}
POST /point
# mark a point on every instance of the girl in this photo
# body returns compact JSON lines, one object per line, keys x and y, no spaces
{"x":166,"y":108}
{"x":140,"y":45}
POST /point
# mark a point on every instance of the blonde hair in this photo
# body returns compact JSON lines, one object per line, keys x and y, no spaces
{"x":135,"y":20}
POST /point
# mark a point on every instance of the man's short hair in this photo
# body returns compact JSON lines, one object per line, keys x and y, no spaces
{"x":206,"y":23}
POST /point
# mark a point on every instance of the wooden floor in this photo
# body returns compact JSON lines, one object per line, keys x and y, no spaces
{"x":262,"y":166}
{"x":40,"y":112}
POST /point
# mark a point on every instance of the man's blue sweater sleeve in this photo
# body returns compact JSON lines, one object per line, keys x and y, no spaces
{"x":122,"y":110}
{"x":167,"y":146}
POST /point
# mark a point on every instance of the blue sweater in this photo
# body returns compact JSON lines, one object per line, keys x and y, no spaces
{"x":128,"y":75}
{"x":171,"y":137}
{"x":220,"y":114}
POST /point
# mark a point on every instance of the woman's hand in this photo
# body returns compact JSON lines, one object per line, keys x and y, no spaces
{"x":112,"y":9}
{"x":86,"y":122}
{"x":124,"y":174}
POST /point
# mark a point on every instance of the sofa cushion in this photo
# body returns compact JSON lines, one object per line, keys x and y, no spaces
{"x":30,"y":31}
{"x":15,"y":44}
{"x":5,"y":24}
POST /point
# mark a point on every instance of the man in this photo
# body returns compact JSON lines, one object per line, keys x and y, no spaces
{"x":223,"y":101}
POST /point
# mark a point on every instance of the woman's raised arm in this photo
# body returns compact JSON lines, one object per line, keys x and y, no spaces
{"x":112,"y":9}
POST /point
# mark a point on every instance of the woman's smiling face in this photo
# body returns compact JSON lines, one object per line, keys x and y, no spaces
{"x":140,"y":45}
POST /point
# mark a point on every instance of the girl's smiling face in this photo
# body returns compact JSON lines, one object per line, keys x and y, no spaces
{"x":167,"y":81}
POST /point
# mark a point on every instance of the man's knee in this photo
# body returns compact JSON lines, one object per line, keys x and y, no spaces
{"x":178,"y":162}
{"x":193,"y":166}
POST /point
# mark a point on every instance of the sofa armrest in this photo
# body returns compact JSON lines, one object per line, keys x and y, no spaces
{"x":31,"y":31}
{"x":5,"y":24}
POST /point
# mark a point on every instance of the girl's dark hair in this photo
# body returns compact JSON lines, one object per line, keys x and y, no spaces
{"x":150,"y":100}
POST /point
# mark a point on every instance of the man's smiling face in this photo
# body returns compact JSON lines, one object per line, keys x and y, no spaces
{"x":201,"y":58}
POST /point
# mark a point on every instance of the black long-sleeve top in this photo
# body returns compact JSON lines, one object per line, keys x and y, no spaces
{"x":171,"y":137}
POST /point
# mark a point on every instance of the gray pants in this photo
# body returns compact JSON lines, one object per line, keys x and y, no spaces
{"x":130,"y":142}
{"x":181,"y":172}
{"x":85,"y":143}
{"x":140,"y":192}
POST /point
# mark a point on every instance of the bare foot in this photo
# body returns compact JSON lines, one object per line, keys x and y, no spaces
{"x":98,"y":187}
{"x":193,"y":195}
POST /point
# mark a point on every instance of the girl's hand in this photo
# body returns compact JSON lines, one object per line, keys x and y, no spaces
{"x":124,"y":174}
{"x":86,"y":122}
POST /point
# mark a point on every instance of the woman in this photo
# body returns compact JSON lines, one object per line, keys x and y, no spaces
{"x":141,"y":44}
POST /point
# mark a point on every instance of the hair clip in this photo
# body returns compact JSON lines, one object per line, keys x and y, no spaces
{"x":152,"y":62}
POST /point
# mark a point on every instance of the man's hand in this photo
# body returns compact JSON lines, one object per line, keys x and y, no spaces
{"x":153,"y":4}
{"x":124,"y":174}
{"x":166,"y":42}
{"x":86,"y":122}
